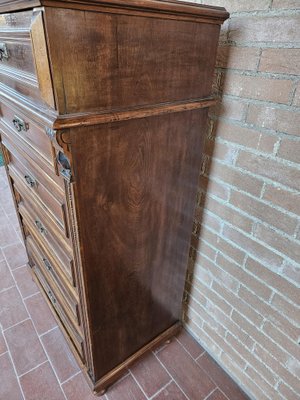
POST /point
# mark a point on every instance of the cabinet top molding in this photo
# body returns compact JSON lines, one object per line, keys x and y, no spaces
{"x":176,"y":8}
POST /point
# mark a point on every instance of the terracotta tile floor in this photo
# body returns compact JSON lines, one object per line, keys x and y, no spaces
{"x":36,"y":364}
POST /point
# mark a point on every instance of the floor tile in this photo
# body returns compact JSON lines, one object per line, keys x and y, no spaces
{"x":15,"y":254}
{"x":41,"y":384}
{"x":190,"y":344}
{"x":150,"y":374}
{"x":125,"y":389}
{"x":25,"y":282}
{"x":8,"y":235}
{"x":78,"y":389}
{"x":222,"y":380}
{"x":186,"y":372}
{"x":170,"y":392}
{"x":6,"y":279}
{"x":12,"y":309}
{"x":60,"y":355}
{"x":40,"y":313}
{"x":217,"y":395}
{"x":25,"y":347}
{"x":9,"y":387}
{"x":3,"y":347}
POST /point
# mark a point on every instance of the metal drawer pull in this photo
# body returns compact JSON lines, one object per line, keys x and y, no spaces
{"x":52,"y":298}
{"x":47,"y":264}
{"x":20,"y":124}
{"x":30,"y":181}
{"x":3,"y":52}
{"x":40,"y":227}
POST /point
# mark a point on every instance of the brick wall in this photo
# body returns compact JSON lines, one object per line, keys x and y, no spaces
{"x":242,"y":293}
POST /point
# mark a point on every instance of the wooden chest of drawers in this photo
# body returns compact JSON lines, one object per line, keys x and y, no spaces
{"x":103,"y":113}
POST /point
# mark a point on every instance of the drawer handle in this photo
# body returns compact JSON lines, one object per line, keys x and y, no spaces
{"x":20,"y":124}
{"x":47,"y":264}
{"x":40,"y":227}
{"x":51,"y":297}
{"x":30,"y":181}
{"x":3,"y":52}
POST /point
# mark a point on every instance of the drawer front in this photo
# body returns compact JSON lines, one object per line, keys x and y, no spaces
{"x":31,"y":179}
{"x":65,"y":297}
{"x":28,"y":132}
{"x":16,"y":145}
{"x":73,"y":333}
{"x":38,"y":222}
{"x":24,"y":65}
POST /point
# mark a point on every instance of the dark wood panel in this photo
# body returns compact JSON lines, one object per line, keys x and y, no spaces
{"x":135,"y":183}
{"x":157,"y":61}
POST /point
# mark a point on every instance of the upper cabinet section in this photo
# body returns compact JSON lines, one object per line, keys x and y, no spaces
{"x":24,"y":66}
{"x":120,"y":60}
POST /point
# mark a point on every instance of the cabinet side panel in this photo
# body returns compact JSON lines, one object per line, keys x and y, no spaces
{"x":112,"y":61}
{"x":135,"y":187}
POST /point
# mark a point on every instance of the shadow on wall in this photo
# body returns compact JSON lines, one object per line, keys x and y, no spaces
{"x":205,"y":184}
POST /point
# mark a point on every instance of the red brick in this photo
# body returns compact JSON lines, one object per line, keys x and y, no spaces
{"x":292,"y":4}
{"x":269,"y":168}
{"x":245,"y":58}
{"x":282,"y":340}
{"x":267,"y":142}
{"x":190,"y":344}
{"x":215,"y":298}
{"x":274,"y":118}
{"x":200,"y":316}
{"x":289,"y":200}
{"x":228,"y":214}
{"x":216,"y":188}
{"x":273,"y":29}
{"x":225,"y":346}
{"x":259,"y":88}
{"x":230,"y":108}
{"x":296,"y":101}
{"x":237,"y":303}
{"x":285,"y":391}
{"x":292,"y":272}
{"x":220,"y":151}
{"x":263,"y":212}
{"x":258,"y":378}
{"x":285,"y":245}
{"x":278,"y":368}
{"x":229,"y":325}
{"x":240,"y":375}
{"x":236,"y":178}
{"x":238,"y":134}
{"x":260,"y":289}
{"x":290,"y":149}
{"x":284,"y":61}
{"x":251,"y":359}
{"x":213,"y":347}
{"x":274,"y":280}
{"x":269,"y":313}
{"x":253,"y":248}
{"x":231,"y":250}
{"x":261,"y":338}
{"x":286,"y":308}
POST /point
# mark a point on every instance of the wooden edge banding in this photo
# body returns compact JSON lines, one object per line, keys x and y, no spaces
{"x":42,"y":67}
{"x":73,"y":121}
{"x":113,"y":375}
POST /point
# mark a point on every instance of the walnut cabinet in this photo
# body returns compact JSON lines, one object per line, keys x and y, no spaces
{"x":103,"y":112}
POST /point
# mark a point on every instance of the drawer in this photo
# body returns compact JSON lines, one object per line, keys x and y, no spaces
{"x":72,"y":332}
{"x":67,"y":299}
{"x":35,"y":181}
{"x":24,"y":65}
{"x":17,"y":146}
{"x":28,"y":133}
{"x":43,"y":229}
